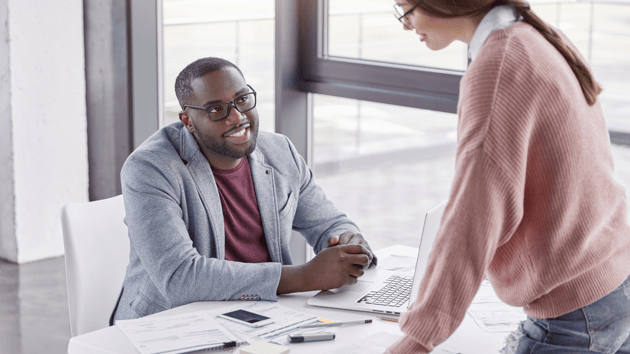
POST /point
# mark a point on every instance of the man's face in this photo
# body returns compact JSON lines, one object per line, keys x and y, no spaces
{"x":223,"y":142}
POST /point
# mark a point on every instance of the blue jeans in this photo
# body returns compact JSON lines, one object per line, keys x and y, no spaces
{"x":601,"y":327}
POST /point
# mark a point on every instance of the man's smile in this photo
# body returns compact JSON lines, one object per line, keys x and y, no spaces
{"x":239,"y":134}
{"x":237,"y":131}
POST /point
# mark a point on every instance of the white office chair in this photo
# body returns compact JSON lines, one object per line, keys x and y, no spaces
{"x":97,"y":253}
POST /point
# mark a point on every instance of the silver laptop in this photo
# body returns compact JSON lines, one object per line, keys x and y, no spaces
{"x":383,"y":291}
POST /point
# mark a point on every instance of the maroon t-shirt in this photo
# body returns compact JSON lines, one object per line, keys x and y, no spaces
{"x":244,"y":236}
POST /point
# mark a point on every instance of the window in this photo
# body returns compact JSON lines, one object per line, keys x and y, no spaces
{"x":360,"y":51}
{"x":351,"y":75}
{"x":383,"y":165}
{"x":363,"y":71}
{"x":601,"y":31}
{"x":383,"y":104}
{"x":242,"y":34}
{"x":367,"y":29}
{"x":354,"y":134}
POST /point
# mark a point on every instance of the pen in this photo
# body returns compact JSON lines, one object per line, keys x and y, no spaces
{"x":226,"y":345}
{"x":391,"y":319}
{"x":336,"y":324}
{"x":299,"y":337}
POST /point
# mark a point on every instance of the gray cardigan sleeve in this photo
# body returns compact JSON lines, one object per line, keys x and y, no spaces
{"x":159,"y":231}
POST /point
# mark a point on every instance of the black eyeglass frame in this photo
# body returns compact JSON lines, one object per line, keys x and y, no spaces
{"x":230,"y":105}
{"x":403,"y":18}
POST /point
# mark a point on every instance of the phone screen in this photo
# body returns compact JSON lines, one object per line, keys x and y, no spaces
{"x":246,"y":316}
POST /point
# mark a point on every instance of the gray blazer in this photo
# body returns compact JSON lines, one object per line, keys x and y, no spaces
{"x":176,"y":226}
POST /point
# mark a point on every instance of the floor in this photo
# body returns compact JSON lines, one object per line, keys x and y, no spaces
{"x":34,"y":307}
{"x":33,"y":297}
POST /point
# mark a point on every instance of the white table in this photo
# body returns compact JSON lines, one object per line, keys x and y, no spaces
{"x":468,"y":339}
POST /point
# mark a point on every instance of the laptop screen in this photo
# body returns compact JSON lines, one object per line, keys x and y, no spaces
{"x":429,"y":232}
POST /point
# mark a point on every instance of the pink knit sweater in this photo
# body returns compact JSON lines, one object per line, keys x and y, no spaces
{"x":534,"y":206}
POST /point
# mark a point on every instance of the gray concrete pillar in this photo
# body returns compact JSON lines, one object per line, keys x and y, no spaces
{"x":108,"y":93}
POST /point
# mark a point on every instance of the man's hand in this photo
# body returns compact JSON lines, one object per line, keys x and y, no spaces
{"x":335,"y":267}
{"x":351,"y":238}
{"x":332,"y":268}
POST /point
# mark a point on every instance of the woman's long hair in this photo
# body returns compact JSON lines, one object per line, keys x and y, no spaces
{"x":456,"y":8}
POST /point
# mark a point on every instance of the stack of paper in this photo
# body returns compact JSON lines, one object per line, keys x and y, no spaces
{"x":203,"y":330}
{"x":177,"y":334}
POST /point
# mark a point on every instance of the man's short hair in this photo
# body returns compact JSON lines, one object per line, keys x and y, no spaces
{"x":198,"y":68}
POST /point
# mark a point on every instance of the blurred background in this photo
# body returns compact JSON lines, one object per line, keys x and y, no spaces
{"x":360,"y":141}
{"x":93,"y":79}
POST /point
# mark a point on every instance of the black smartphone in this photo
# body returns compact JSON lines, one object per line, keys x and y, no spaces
{"x":247,"y":318}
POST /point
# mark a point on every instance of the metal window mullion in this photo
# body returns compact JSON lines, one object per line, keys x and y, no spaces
{"x":440,"y":83}
{"x":293,"y":118}
{"x":322,"y":28}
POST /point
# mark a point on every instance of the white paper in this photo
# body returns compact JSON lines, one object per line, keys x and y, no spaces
{"x":493,"y":315}
{"x":376,"y":343}
{"x":285,"y":320}
{"x":175,"y":334}
{"x":398,"y":263}
{"x":496,"y":318}
{"x":443,"y":351}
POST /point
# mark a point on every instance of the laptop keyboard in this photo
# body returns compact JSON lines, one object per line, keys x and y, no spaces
{"x":395,"y":293}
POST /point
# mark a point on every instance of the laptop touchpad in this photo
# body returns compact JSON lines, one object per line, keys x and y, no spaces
{"x":359,"y":286}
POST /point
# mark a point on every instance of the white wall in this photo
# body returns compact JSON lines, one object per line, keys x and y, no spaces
{"x":43,"y":132}
{"x":8,"y":243}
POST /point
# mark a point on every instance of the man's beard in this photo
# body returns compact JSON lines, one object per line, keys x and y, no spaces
{"x":222,"y":148}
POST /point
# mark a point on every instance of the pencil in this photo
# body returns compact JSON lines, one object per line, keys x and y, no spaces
{"x":336,"y":324}
{"x":390,"y":319}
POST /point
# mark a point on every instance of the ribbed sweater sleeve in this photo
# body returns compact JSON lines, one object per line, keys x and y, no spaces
{"x":533,"y":205}
{"x":463,"y":250}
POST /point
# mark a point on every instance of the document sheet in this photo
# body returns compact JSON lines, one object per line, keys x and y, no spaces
{"x":374,"y":344}
{"x":493,"y":315}
{"x":176,"y":334}
{"x":378,"y":344}
{"x":285,"y":320}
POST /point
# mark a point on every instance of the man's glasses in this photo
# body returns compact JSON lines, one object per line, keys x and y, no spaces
{"x":221,"y":110}
{"x":401,"y":15}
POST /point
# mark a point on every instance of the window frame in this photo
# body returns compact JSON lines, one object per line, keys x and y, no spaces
{"x":397,"y":84}
{"x":390,"y":83}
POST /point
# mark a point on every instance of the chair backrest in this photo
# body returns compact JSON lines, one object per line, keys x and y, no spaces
{"x":97,"y":252}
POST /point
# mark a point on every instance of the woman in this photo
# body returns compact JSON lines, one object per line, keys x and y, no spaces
{"x":534,"y":206}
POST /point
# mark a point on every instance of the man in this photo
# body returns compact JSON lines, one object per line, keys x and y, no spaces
{"x":210,"y":204}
